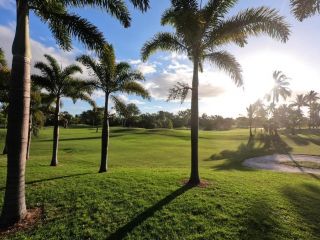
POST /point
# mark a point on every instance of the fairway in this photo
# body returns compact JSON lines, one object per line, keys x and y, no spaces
{"x":142,"y":195}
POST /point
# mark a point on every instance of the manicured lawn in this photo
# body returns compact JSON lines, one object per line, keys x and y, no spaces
{"x":142,"y":195}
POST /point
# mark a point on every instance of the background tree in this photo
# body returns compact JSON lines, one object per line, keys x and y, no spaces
{"x":303,"y":9}
{"x":200,"y":32}
{"x":299,"y":102}
{"x":311,"y":98}
{"x":64,"y":25}
{"x":251,"y":112}
{"x":60,"y":83}
{"x":112,"y":78}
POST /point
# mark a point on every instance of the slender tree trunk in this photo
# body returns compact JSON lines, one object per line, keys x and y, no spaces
{"x":14,"y":206}
{"x":29,"y":137}
{"x":105,"y":137}
{"x":54,"y":160}
{"x":194,"y":177}
{"x":250,"y":129}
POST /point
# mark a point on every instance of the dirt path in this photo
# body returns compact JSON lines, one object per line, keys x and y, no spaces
{"x":275,"y":162}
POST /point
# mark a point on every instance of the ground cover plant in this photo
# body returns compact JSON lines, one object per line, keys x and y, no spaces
{"x":143,"y":195}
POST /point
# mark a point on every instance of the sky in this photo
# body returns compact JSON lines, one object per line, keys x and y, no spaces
{"x":299,"y":58}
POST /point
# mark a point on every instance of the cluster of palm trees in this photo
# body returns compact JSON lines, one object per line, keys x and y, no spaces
{"x":200,"y":32}
{"x":289,"y":116}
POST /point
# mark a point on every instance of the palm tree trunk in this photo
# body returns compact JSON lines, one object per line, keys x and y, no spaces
{"x":105,"y":137}
{"x":54,"y":160}
{"x":194,"y":177}
{"x":29,"y":137}
{"x":14,"y":206}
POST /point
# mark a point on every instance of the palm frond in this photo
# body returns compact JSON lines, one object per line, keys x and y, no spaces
{"x":250,"y":22}
{"x":303,"y":9}
{"x":179,"y":91}
{"x":70,"y":70}
{"x":3,"y":62}
{"x":228,"y":63}
{"x":162,"y":41}
{"x":135,"y":88}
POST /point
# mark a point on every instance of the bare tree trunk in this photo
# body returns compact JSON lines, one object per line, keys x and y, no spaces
{"x":29,"y":137}
{"x":194,"y":177}
{"x":54,"y":160}
{"x":105,"y":137}
{"x":14,"y":206}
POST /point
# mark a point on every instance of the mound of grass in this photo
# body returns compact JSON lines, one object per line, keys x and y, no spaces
{"x":142,"y":195}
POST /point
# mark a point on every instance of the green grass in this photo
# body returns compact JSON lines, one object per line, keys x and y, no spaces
{"x":142,"y":195}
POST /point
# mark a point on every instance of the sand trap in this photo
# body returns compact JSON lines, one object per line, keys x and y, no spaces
{"x":275,"y":162}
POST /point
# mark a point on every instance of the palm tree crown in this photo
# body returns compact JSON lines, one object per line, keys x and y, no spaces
{"x":303,"y":9}
{"x":280,"y":88}
{"x":300,"y":101}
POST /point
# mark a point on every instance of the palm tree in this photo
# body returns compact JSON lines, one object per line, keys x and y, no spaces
{"x":303,"y":9}
{"x":200,"y":32}
{"x":111,"y":78}
{"x":311,"y":98}
{"x":60,"y":83}
{"x":64,"y":25}
{"x":299,"y":102}
{"x":280,"y":88}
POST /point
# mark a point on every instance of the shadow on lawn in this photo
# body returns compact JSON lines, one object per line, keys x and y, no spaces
{"x":306,"y":200}
{"x":51,"y":179}
{"x":259,"y":146}
{"x":259,"y":222}
{"x":139,"y":219}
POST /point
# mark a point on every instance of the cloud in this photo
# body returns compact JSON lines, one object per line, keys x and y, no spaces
{"x":145,"y":68}
{"x":38,"y":49}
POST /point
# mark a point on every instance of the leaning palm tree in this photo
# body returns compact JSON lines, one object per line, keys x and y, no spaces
{"x":60,"y":83}
{"x":311,"y":98}
{"x":112,"y":78}
{"x":200,"y":33}
{"x":64,"y":26}
{"x":303,"y":9}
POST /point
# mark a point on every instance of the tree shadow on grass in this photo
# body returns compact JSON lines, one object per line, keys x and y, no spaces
{"x":51,"y":179}
{"x":258,"y":222}
{"x":306,"y":200}
{"x":139,"y":219}
{"x":256,"y":146}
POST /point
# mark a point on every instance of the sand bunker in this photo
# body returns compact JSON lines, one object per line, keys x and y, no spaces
{"x":285,"y":163}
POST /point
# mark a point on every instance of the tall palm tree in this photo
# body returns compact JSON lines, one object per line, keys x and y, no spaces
{"x":64,"y":25}
{"x":200,"y":33}
{"x":111,"y":78}
{"x":303,"y":9}
{"x":311,"y":98}
{"x":60,"y":82}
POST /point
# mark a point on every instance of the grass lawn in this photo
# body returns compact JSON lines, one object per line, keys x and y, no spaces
{"x":142,"y":195}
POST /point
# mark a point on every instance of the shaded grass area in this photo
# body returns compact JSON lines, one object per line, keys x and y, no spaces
{"x":142,"y":197}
